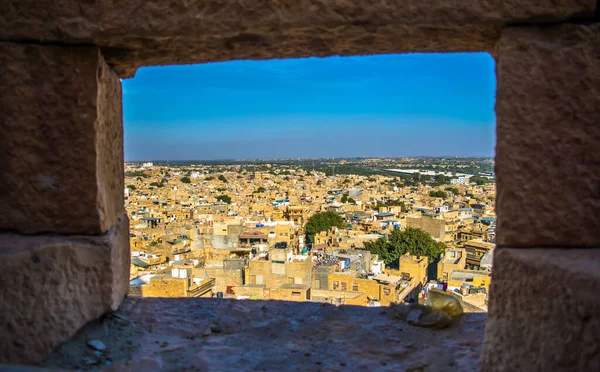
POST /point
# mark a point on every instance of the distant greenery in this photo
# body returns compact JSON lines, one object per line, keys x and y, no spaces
{"x":135,"y":174}
{"x":453,"y":190}
{"x":185,"y":180}
{"x":221,"y":189}
{"x":131,"y":187}
{"x":209,"y":178}
{"x":470,"y":195}
{"x":222,"y":178}
{"x":480,"y":180}
{"x":260,"y":189}
{"x":156,"y":184}
{"x":346,"y":199}
{"x":438,"y":194}
{"x":399,"y":242}
{"x":322,"y":221}
{"x":391,"y":203}
{"x":224,"y":198}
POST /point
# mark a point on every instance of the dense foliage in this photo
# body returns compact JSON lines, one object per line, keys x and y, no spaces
{"x":131,"y":187}
{"x":480,"y":180}
{"x":411,"y":240}
{"x":222,"y":178}
{"x":185,"y":180}
{"x":322,"y":221}
{"x":224,"y":198}
{"x":135,"y":174}
{"x":391,"y":203}
{"x":453,"y":190}
{"x":346,"y":199}
{"x":438,"y":194}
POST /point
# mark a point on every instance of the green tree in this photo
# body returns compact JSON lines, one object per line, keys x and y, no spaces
{"x":224,"y":198}
{"x":391,"y":203}
{"x":185,"y":180}
{"x":222,"y":178}
{"x":260,"y":189}
{"x":344,"y":199}
{"x":479,"y":180}
{"x":438,"y":194}
{"x":453,"y":190}
{"x":156,"y":184}
{"x":411,"y":240}
{"x":322,"y":221}
{"x":209,"y":178}
{"x":351,"y":201}
{"x":131,"y":187}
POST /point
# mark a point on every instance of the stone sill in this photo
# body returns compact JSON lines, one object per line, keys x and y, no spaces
{"x":209,"y":334}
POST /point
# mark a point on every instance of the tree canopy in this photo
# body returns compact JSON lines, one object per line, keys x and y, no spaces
{"x":185,"y":180}
{"x":438,"y":194}
{"x":322,"y":221}
{"x":224,"y":198}
{"x":411,"y":240}
{"x":222,"y":178}
{"x":453,"y":190}
{"x":391,"y":203}
{"x":131,"y":187}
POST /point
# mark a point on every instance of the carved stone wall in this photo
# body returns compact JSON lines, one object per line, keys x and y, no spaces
{"x":61,"y":154}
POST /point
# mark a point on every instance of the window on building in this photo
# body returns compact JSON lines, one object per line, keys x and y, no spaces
{"x":344,"y":286}
{"x":355,"y":287}
{"x":296,"y":294}
{"x":336,"y":284}
{"x":386,"y":291}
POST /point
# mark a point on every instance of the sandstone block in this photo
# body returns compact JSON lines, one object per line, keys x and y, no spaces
{"x":140,"y":33}
{"x":544,"y":311}
{"x":548,"y":137}
{"x":61,"y":153}
{"x":53,"y":285}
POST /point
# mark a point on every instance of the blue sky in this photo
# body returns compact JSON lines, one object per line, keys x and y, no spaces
{"x":385,"y":105}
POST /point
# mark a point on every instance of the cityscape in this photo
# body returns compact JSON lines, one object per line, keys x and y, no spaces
{"x":357,"y":231}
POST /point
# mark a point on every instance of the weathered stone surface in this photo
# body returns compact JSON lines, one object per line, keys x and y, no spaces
{"x":61,"y":153}
{"x":189,"y":334}
{"x":544,"y":311}
{"x":548,"y":137}
{"x":53,"y":285}
{"x":143,"y":32}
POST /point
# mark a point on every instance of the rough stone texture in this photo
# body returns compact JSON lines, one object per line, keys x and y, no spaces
{"x":142,"y":32}
{"x":191,"y":334}
{"x":61,"y":153}
{"x":544,"y":311}
{"x":548,"y":137}
{"x":53,"y":285}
